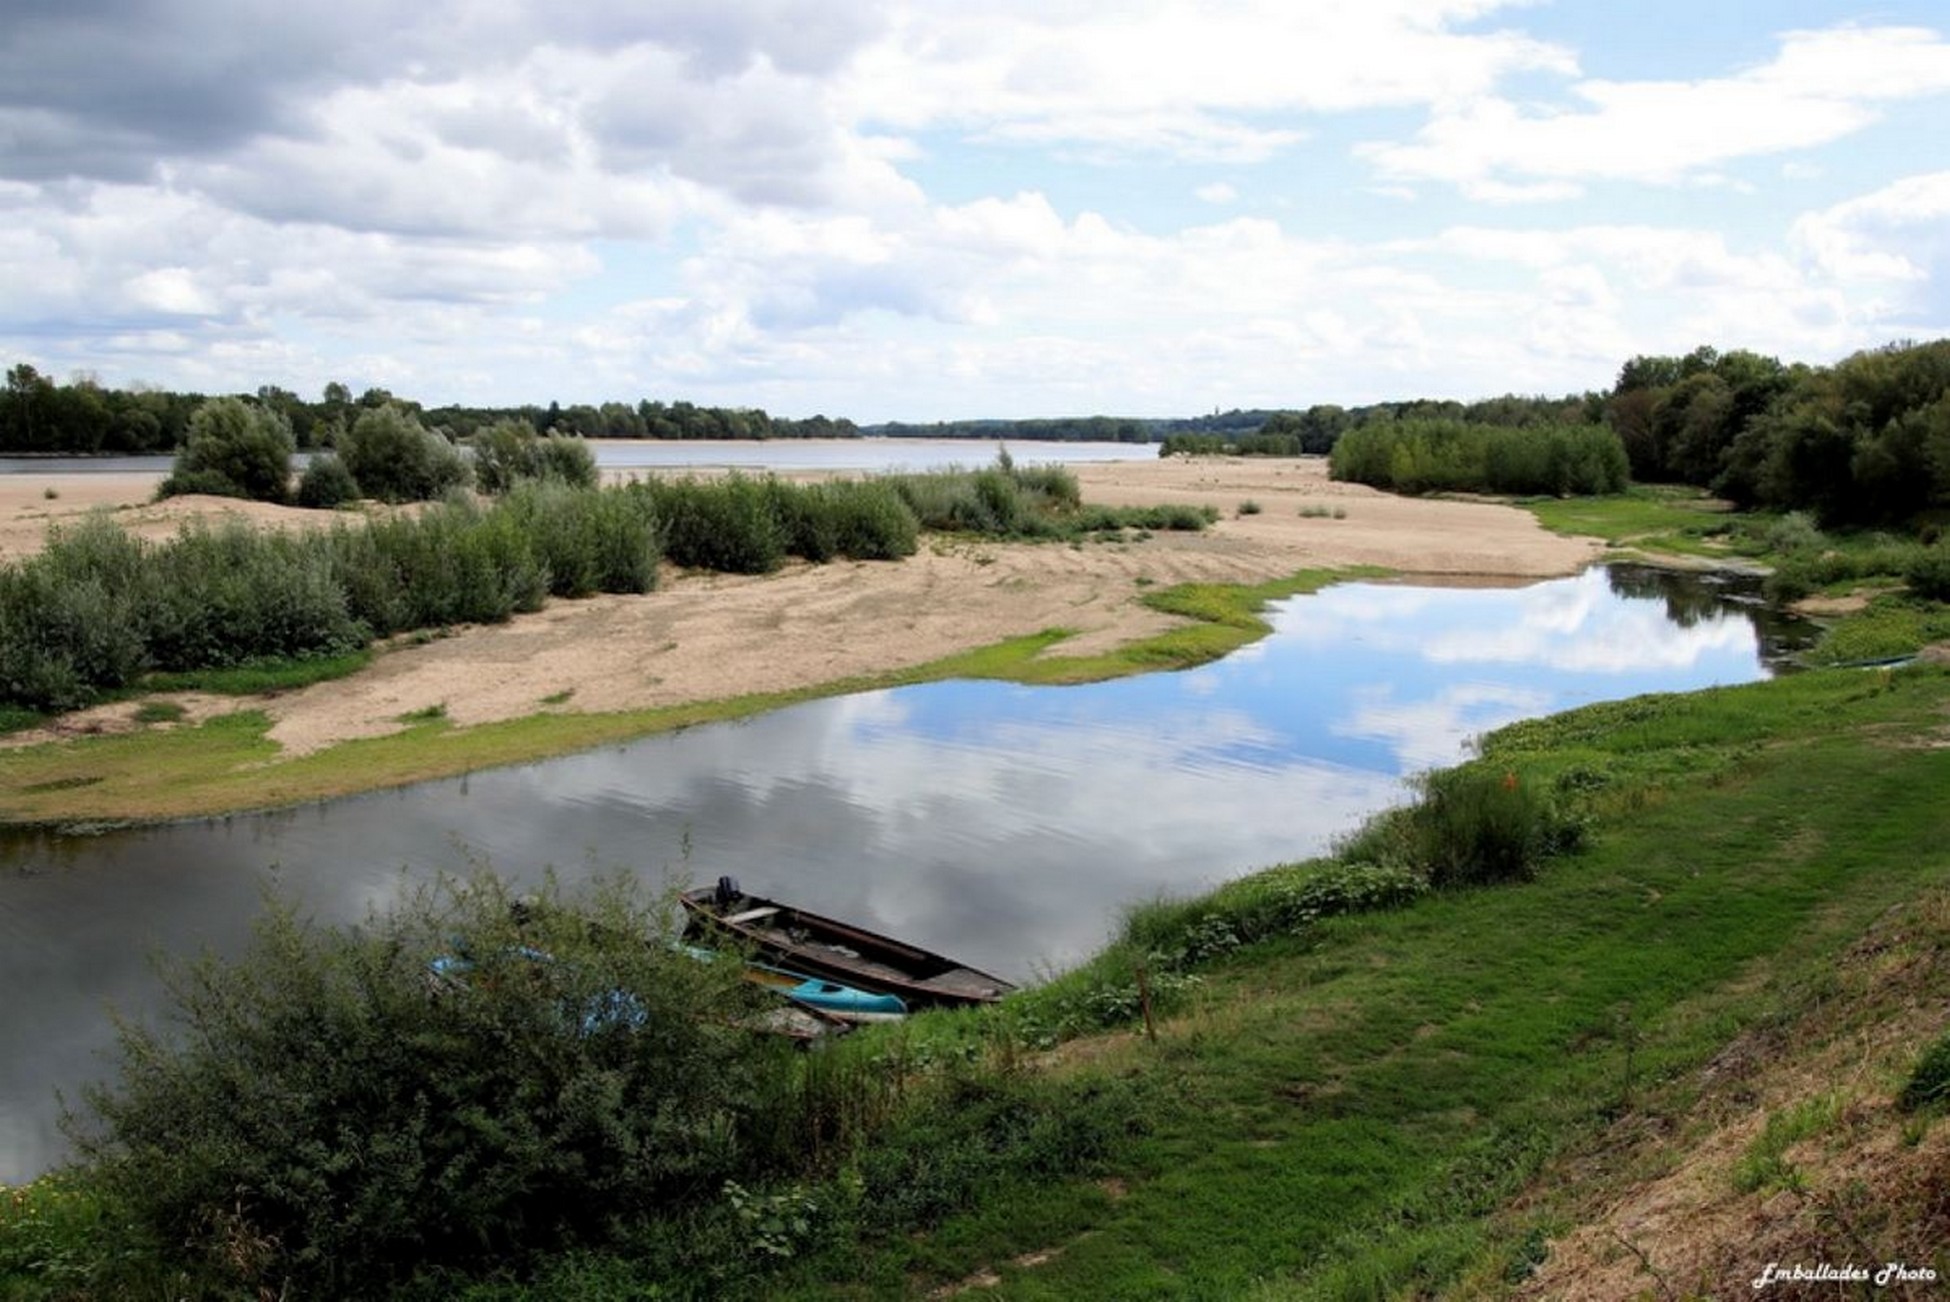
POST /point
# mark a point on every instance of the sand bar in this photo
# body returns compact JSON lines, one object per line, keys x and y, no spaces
{"x":705,"y":637}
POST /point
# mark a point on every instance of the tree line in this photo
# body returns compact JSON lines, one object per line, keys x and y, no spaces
{"x":1863,"y":442}
{"x":85,"y":418}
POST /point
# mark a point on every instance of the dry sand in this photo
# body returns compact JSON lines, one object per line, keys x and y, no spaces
{"x":704,"y":637}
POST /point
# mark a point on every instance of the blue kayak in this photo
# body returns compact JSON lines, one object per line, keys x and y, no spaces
{"x":829,"y":996}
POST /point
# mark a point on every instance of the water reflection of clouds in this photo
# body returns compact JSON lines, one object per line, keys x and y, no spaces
{"x":1432,"y":732}
{"x":1573,"y":625}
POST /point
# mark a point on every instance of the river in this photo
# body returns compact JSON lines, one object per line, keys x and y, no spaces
{"x":1007,"y":825}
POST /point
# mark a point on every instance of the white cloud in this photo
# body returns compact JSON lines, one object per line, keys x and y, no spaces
{"x":1821,"y":86}
{"x":1900,"y":233}
{"x":1217,"y":192}
{"x":1176,"y":77}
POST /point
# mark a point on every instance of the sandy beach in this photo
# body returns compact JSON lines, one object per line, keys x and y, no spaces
{"x":703,"y":637}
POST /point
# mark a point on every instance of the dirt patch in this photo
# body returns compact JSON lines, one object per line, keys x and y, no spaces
{"x":1699,"y":1209}
{"x":708,"y":637}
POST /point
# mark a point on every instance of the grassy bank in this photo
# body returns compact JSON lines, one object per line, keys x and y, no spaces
{"x":229,"y":763}
{"x":1359,"y":1090}
{"x":1358,"y":1109}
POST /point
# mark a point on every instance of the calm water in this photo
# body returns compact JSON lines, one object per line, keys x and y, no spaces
{"x":1006,"y":825}
{"x":747,"y":454}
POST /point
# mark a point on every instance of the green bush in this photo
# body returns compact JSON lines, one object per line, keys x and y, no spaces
{"x":1472,"y":826}
{"x":1929,"y":1084}
{"x":870,"y":521}
{"x":1430,"y":456}
{"x":234,"y":449}
{"x":71,"y":617}
{"x":588,"y":541}
{"x":230,"y":595}
{"x":508,"y":452}
{"x":1928,"y":572}
{"x":326,"y":483}
{"x":727,"y":525}
{"x":396,"y":459}
{"x":1277,"y":901}
{"x":465,"y":1080}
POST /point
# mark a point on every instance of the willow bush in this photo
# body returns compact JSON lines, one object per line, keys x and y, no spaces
{"x":234,"y":449}
{"x":98,"y":608}
{"x":464,"y":1079}
{"x":396,"y":459}
{"x":1434,"y":456}
{"x":508,"y":452}
{"x":742,"y":525}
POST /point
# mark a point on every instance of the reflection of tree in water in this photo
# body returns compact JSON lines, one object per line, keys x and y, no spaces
{"x":1693,"y":598}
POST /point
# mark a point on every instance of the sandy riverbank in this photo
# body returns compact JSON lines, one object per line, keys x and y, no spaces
{"x":708,"y":637}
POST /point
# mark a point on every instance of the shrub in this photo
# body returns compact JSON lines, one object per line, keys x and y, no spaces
{"x":1275,"y":902}
{"x":460,"y":1081}
{"x":229,"y":595}
{"x":1428,"y":456}
{"x":70,"y":618}
{"x":1929,"y":1084}
{"x":1471,"y":826}
{"x":870,"y":521}
{"x":1928,"y":572}
{"x":326,"y":483}
{"x":585,"y":540}
{"x":508,"y":452}
{"x":234,"y":449}
{"x":727,"y":525}
{"x":396,"y":459}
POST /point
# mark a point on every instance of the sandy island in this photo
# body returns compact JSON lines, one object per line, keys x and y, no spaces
{"x":706,"y":637}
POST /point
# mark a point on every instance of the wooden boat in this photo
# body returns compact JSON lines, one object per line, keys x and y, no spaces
{"x":801,"y":941}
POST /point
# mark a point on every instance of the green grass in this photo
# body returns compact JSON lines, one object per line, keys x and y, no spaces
{"x":261,"y":679}
{"x":1764,"y":1166}
{"x":1646,"y":517}
{"x":159,"y":712}
{"x":1888,"y":628}
{"x":14,"y":718}
{"x":1345,"y":1111}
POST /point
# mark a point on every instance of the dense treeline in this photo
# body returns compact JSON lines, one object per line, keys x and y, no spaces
{"x":1248,"y":445}
{"x":38,"y":415}
{"x":1430,"y":456}
{"x":1866,"y":441}
{"x":1315,"y":430}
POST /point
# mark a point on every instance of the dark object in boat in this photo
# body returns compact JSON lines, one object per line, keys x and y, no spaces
{"x":824,"y":947}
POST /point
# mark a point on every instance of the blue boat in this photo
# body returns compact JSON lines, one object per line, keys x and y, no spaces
{"x":829,"y":997}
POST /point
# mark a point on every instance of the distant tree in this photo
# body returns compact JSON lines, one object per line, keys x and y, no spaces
{"x":235,"y":449}
{"x":24,"y":422}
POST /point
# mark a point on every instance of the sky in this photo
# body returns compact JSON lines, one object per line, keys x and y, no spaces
{"x":930,"y":209}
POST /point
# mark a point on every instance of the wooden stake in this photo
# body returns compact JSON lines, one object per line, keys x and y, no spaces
{"x":1144,"y":1001}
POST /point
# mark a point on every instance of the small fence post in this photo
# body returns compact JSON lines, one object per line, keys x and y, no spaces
{"x":1144,"y":1001}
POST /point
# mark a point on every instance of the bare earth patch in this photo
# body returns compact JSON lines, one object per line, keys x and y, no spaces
{"x":708,"y":637}
{"x":1664,"y":1216}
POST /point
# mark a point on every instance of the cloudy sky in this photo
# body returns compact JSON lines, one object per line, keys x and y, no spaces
{"x":924,"y":209}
